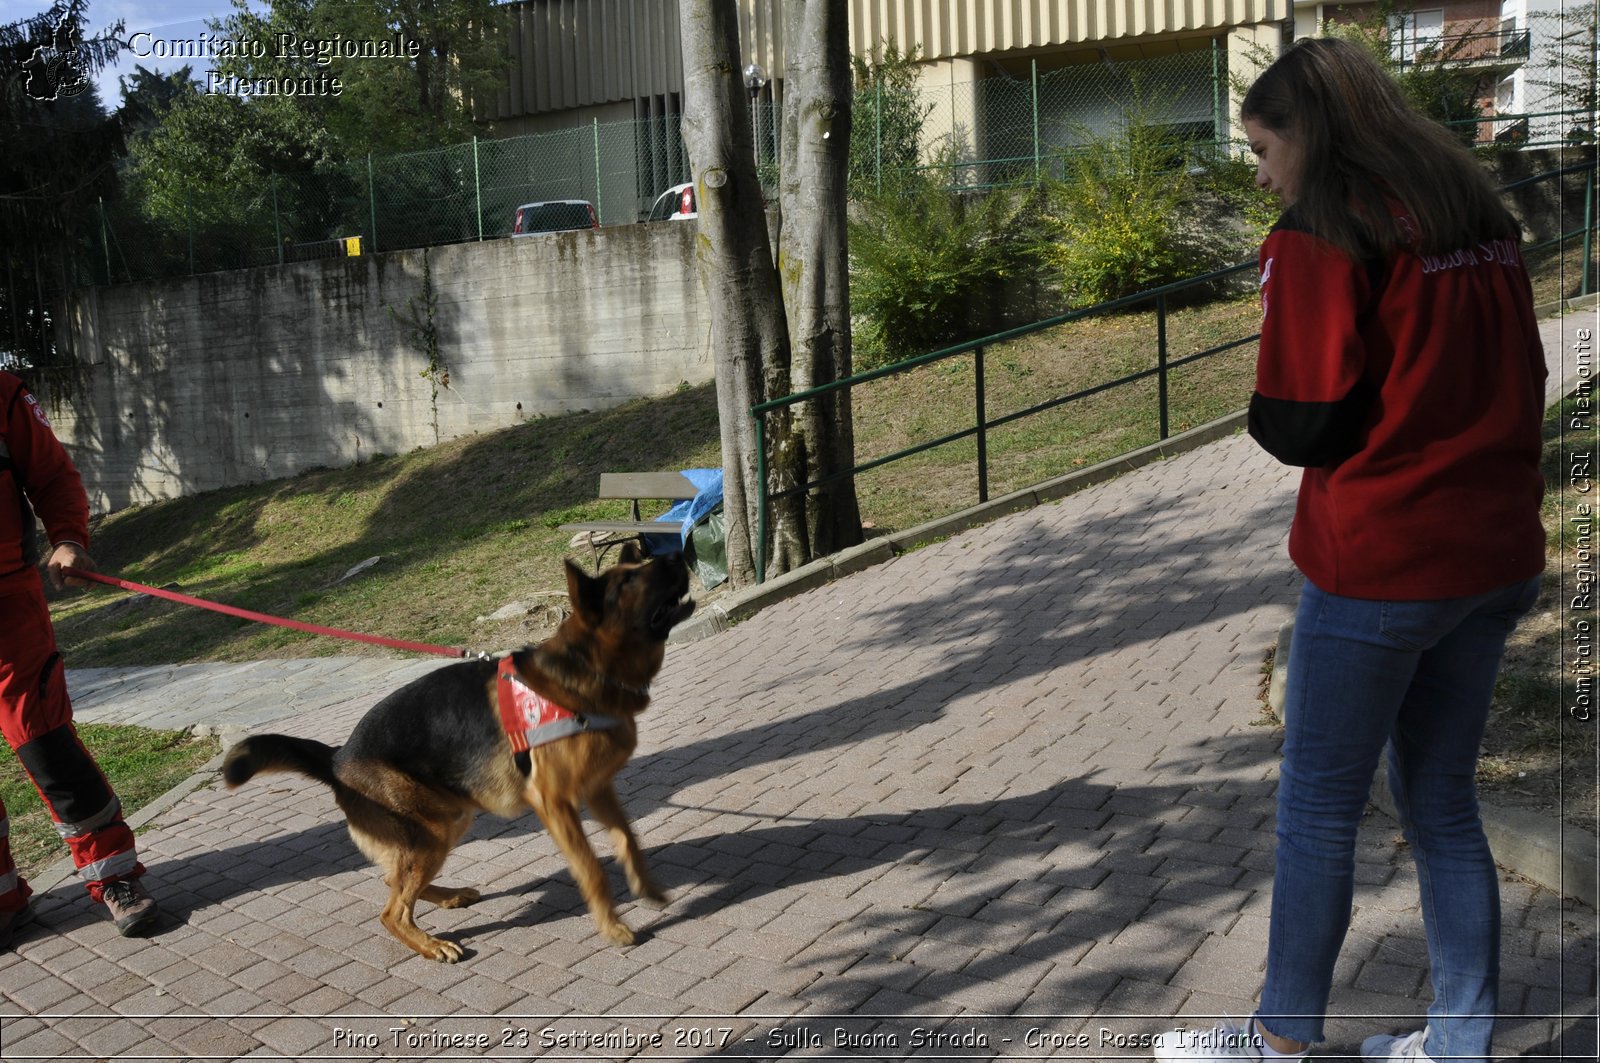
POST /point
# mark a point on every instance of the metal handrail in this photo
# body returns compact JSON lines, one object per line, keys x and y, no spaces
{"x":981,"y":428}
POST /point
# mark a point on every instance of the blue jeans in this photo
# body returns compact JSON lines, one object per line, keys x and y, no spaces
{"x":1417,"y":677}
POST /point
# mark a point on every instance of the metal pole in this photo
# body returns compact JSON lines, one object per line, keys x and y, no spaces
{"x":1161,"y":359}
{"x":877,"y":129}
{"x":755,"y":131}
{"x":983,"y":430}
{"x":188,"y":219}
{"x":477,"y":187}
{"x":105,"y":241}
{"x":1036,"y":173}
{"x":761,"y":496}
{"x":277,"y":227}
{"x":599,"y":203}
{"x":1588,"y":228}
{"x":372,"y":203}
{"x":1216,"y":95}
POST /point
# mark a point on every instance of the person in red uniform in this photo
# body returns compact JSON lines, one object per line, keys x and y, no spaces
{"x":1400,"y":365}
{"x":37,"y":477}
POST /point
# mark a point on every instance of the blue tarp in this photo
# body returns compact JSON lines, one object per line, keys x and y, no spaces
{"x":689,"y":512}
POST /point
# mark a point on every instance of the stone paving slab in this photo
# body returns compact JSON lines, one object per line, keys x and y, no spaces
{"x":208,"y":697}
{"x":1008,"y":796}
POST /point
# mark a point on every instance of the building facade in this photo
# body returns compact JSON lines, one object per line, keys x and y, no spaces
{"x":981,"y":64}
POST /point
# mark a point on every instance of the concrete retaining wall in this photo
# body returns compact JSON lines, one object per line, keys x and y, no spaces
{"x":228,"y":378}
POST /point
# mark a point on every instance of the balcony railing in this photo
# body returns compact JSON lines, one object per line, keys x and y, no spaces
{"x":1491,"y":47}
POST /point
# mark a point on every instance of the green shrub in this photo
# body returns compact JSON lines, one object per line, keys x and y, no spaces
{"x":1231,"y":181}
{"x":928,"y":265}
{"x":886,"y":126}
{"x":1123,"y":218}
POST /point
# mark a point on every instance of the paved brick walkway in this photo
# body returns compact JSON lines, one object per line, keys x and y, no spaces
{"x":1009,"y":796}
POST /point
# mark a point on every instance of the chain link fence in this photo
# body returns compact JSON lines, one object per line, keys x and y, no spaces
{"x":1009,"y":130}
{"x":1006,"y":129}
{"x":452,"y":194}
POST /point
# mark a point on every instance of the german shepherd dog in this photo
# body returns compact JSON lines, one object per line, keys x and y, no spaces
{"x":426,"y":759}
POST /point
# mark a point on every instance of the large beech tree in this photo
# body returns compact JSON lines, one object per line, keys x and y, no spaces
{"x":778,"y":323}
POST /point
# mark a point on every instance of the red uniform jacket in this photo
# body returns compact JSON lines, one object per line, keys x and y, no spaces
{"x":1413,"y":394}
{"x":30,"y":450}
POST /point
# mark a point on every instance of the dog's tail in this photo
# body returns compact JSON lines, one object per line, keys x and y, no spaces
{"x":270,"y":753}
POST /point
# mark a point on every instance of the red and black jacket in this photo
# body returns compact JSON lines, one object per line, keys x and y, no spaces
{"x":32,"y":460}
{"x":1412,"y":391}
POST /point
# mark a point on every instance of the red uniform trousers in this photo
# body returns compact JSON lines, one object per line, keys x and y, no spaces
{"x":36,"y":718}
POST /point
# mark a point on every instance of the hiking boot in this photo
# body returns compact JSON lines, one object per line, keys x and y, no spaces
{"x":131,"y":907}
{"x":10,"y":922}
{"x":1407,"y":1049}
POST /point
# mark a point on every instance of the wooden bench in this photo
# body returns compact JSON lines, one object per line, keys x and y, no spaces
{"x":672,"y":487}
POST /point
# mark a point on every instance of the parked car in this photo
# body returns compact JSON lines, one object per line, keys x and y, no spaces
{"x":554,"y":216}
{"x":675,"y":204}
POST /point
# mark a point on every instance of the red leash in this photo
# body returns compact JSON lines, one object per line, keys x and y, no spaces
{"x":312,"y":629}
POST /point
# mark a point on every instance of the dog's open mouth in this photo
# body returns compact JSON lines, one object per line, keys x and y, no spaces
{"x":669,"y":614}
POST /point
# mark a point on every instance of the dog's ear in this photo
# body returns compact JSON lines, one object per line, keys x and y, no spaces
{"x":587,"y":594}
{"x":631,"y":554}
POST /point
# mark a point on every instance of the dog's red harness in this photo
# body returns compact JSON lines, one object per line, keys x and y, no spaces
{"x":530,"y":719}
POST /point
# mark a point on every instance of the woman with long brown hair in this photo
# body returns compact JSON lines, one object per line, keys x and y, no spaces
{"x":1401,"y":366}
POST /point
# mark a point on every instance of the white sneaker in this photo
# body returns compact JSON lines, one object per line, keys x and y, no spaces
{"x":1388,"y":1049}
{"x":1227,"y":1040}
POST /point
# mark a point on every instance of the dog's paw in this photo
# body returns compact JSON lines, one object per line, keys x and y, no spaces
{"x":642,"y":886}
{"x":617,"y":933}
{"x":443,"y":951}
{"x":461,"y":898}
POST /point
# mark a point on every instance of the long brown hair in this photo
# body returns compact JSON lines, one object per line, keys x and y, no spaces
{"x":1363,"y":148}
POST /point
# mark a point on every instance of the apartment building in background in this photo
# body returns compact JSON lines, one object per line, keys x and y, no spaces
{"x":1511,"y":46}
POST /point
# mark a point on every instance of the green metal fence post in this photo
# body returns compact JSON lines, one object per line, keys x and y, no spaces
{"x":105,"y":241}
{"x":1036,"y":167}
{"x":1216,"y":95}
{"x":761,"y":496}
{"x":477,"y":187}
{"x":1588,"y":229}
{"x":877,"y":129}
{"x":599,"y":201}
{"x":372,"y":203}
{"x":188,"y":219}
{"x":1161,"y":360}
{"x":983,"y":429}
{"x":277,"y":227}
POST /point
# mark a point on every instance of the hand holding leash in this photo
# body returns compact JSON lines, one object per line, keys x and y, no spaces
{"x":66,"y":560}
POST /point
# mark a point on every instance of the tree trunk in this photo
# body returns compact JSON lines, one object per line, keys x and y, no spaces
{"x":748,"y":337}
{"x":813,"y":258}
